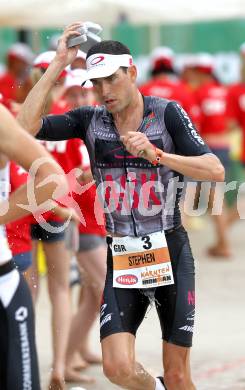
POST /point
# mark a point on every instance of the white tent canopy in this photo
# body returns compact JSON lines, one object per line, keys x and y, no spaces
{"x":58,"y":13}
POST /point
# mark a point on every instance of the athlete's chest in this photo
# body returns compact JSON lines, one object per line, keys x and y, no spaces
{"x":130,"y":124}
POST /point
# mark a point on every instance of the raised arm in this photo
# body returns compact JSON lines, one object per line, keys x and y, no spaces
{"x":31,"y":112}
{"x":19,"y":146}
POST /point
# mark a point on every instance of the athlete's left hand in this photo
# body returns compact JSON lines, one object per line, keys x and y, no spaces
{"x":139,"y":145}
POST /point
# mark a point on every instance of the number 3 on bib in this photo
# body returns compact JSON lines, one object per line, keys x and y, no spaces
{"x":141,"y":262}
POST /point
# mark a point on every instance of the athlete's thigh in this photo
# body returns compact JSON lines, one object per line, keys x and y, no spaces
{"x":122,"y":309}
{"x":176,"y":303}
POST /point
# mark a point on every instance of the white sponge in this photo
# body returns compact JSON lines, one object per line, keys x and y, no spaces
{"x":89,"y":36}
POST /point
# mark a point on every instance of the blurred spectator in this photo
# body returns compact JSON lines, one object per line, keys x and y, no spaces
{"x":188,"y":72}
{"x":56,"y":254}
{"x":75,"y":95}
{"x":40,"y":65}
{"x":18,"y":232}
{"x":212,"y":99}
{"x":92,"y":250}
{"x":79,"y":62}
{"x":236,"y":119}
{"x":165,"y":84}
{"x":15,"y":82}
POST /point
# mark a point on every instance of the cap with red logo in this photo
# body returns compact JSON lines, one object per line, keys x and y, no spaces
{"x":44,"y":59}
{"x":104,"y":65}
{"x":21,"y":51}
{"x":162,"y":57}
{"x":204,"y":63}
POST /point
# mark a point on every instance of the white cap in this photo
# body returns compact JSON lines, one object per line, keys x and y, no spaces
{"x":75,"y":78}
{"x":205,"y":62}
{"x":43,"y":60}
{"x":22,"y":51}
{"x":189,"y":61}
{"x":104,"y":65}
{"x":163,"y":54}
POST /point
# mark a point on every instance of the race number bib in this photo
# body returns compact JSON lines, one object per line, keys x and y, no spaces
{"x":141,"y":262}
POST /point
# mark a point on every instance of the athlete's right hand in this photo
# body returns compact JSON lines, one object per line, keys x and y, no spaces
{"x":65,"y":55}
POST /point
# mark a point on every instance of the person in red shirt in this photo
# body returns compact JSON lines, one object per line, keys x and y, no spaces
{"x":165,"y":83}
{"x":15,"y":83}
{"x":236,"y":104}
{"x":92,"y":249}
{"x":73,"y":94}
{"x":188,"y":73}
{"x":18,"y":232}
{"x":236,"y":118}
{"x":40,"y":65}
{"x":56,"y":254}
{"x":211,"y":97}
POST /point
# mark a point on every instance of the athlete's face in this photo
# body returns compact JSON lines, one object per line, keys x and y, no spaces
{"x":116,"y":91}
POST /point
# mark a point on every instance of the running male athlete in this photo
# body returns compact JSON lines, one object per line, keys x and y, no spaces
{"x":18,"y":367}
{"x":139,"y":148}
